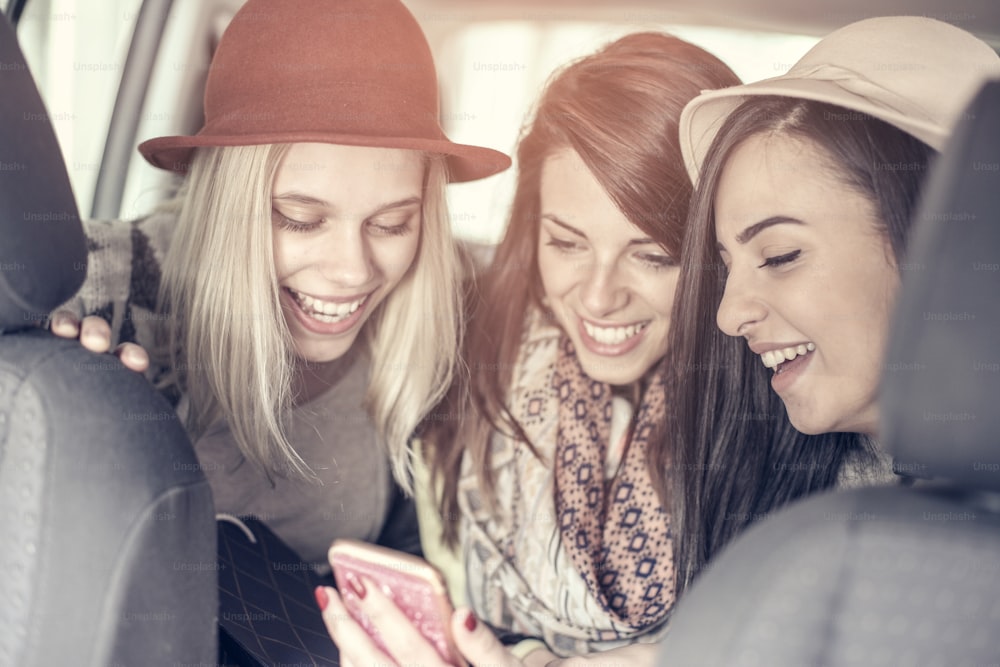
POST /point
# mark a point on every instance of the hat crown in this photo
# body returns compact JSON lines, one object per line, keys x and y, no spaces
{"x":352,"y":72}
{"x":360,"y":67}
{"x":903,"y":64}
{"x":913,"y":72}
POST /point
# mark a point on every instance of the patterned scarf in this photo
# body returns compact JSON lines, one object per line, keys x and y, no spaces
{"x":616,"y":531}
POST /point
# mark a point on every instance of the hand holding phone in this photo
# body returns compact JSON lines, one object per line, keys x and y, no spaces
{"x":414,"y":585}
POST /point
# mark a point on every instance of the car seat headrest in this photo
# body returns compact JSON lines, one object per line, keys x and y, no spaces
{"x":941,"y":381}
{"x":43,"y":253}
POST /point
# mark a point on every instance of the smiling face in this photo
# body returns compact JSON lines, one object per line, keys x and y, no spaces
{"x":609,"y":285}
{"x":346,"y":228}
{"x":811,"y":280}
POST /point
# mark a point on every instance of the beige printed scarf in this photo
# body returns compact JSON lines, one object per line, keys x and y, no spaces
{"x":527,"y":574}
{"x":616,"y":530}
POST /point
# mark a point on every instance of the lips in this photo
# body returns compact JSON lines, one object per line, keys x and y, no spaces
{"x":611,"y":341}
{"x":328,"y":312}
{"x":788,"y":363}
{"x":612,"y":335}
{"x":326,"y":317}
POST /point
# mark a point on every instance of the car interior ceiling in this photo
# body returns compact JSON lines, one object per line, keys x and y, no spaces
{"x":817,"y":17}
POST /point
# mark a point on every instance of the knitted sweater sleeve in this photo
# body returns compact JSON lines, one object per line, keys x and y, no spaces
{"x":123,"y":275}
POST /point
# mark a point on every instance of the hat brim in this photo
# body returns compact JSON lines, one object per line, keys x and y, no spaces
{"x":465,"y":162}
{"x":704,"y":116}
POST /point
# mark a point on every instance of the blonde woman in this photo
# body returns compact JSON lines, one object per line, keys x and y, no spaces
{"x":306,"y":316}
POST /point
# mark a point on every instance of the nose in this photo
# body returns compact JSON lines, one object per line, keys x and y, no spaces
{"x":604,"y":291}
{"x":740,"y":309}
{"x":345,"y":257}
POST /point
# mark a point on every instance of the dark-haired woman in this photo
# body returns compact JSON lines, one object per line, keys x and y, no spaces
{"x":806,"y":185}
{"x":563,"y":530}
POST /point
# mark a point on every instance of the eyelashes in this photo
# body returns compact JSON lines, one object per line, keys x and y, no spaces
{"x":392,"y":230}
{"x":284,"y":222}
{"x":651,"y":260}
{"x":658,"y":261}
{"x":780,"y":260}
{"x":560,"y":244}
{"x":291,"y":224}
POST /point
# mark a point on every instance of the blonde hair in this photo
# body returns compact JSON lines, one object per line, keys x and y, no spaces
{"x":415,"y":336}
{"x":227,"y":341}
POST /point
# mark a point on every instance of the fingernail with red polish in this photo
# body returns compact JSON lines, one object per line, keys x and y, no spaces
{"x":357,"y":587}
{"x":322,"y":599}
{"x":470,"y":622}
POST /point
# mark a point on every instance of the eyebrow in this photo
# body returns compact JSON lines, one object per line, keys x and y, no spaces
{"x":756,"y":228}
{"x":308,"y":200}
{"x":573,"y":230}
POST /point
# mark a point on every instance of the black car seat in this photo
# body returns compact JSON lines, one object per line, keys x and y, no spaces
{"x":901,"y":575}
{"x":107,"y":531}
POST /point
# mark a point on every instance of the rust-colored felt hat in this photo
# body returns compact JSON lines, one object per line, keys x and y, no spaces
{"x":353,"y":72}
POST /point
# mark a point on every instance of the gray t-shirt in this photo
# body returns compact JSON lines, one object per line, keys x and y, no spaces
{"x":335,"y":437}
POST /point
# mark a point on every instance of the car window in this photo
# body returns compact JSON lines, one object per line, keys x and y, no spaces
{"x":76,"y":55}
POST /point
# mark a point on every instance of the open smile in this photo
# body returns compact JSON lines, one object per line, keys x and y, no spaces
{"x":328,"y":312}
{"x":775,"y":359}
{"x":611,"y":340}
{"x":788,"y":364}
{"x":327,"y":317}
{"x":612,"y":335}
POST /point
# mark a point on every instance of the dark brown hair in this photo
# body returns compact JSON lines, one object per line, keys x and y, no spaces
{"x":734,"y":456}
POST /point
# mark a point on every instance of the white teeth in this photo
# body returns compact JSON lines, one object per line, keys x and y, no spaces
{"x":326,"y":311}
{"x":329,"y":319}
{"x":772,"y":358}
{"x":612,"y":335}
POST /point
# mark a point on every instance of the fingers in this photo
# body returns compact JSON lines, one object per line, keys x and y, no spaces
{"x":477,"y":643}
{"x":64,"y":324}
{"x":133,"y":357}
{"x":95,"y":334}
{"x":355,"y":646}
{"x":403,"y":641}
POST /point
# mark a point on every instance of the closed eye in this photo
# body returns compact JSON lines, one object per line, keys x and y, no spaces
{"x":284,"y":222}
{"x":561,"y":244}
{"x":780,"y":260}
{"x":392,"y":225}
{"x":656,"y":260}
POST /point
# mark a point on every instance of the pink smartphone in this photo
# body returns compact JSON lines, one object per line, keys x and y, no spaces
{"x":416,"y":586}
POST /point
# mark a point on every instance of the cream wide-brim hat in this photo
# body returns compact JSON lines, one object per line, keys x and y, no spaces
{"x":915,"y":73}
